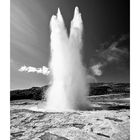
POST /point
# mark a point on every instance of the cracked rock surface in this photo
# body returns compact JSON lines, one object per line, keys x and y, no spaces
{"x":99,"y":124}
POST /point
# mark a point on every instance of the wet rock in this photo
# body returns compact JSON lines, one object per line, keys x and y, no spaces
{"x":17,"y":134}
{"x":49,"y":136}
{"x":78,"y":125}
{"x":100,"y":134}
{"x":114,"y":119}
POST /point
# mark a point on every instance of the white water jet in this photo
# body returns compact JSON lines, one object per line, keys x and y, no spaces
{"x":69,"y":81}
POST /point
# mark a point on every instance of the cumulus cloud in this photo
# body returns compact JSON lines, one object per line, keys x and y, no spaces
{"x":44,"y":70}
{"x":96,"y":69}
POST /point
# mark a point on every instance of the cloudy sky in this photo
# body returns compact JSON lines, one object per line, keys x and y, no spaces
{"x":106,"y":39}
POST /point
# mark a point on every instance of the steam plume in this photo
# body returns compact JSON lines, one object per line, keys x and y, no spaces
{"x":69,"y":87}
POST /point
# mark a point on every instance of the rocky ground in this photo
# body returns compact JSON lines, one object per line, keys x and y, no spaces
{"x":109,"y":120}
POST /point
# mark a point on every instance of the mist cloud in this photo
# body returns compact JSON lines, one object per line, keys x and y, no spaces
{"x":113,"y":51}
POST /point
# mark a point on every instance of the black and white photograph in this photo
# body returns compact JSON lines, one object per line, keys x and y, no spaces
{"x":69,"y":70}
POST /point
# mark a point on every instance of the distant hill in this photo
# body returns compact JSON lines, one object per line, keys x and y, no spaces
{"x":37,"y":93}
{"x":34,"y":93}
{"x":108,"y":88}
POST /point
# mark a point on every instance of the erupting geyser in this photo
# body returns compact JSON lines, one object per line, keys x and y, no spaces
{"x":69,"y":82}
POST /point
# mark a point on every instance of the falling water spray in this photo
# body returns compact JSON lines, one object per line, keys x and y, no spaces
{"x":69,"y":83}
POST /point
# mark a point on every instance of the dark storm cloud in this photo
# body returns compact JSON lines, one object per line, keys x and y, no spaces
{"x":115,"y":51}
